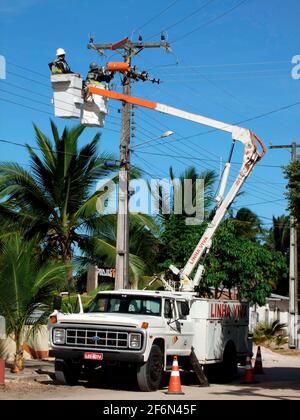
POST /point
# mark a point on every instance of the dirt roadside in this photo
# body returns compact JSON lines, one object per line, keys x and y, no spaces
{"x":281,"y":381}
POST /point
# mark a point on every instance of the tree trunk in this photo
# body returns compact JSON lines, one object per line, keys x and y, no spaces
{"x":70,"y":278}
{"x":18,"y":363}
{"x":134,"y":284}
{"x":92,"y":279}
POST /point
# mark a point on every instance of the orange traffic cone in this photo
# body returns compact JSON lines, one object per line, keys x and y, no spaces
{"x":258,"y":367}
{"x":175,"y":384}
{"x":249,"y":374}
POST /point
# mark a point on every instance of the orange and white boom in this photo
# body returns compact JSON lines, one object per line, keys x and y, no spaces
{"x":251,"y":156}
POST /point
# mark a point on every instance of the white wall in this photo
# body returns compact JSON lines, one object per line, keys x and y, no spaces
{"x":273,"y":310}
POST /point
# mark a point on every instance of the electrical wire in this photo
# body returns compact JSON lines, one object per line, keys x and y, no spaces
{"x":41,"y":111}
{"x":190,"y":157}
{"x":184,"y":67}
{"x":39,"y":83}
{"x":44,"y":104}
{"x":216,"y":18}
{"x":195,"y":12}
{"x":156,"y":16}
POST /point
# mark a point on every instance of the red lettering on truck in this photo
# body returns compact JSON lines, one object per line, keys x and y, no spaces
{"x":226,"y":310}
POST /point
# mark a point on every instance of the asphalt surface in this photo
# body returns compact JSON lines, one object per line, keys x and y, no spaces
{"x":281,"y":381}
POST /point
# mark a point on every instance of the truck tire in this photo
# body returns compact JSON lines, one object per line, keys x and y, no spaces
{"x":66,"y":372}
{"x":229,"y":365}
{"x":149,"y":375}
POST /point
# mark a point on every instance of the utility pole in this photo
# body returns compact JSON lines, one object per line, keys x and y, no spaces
{"x":128,"y":50}
{"x":293,"y":276}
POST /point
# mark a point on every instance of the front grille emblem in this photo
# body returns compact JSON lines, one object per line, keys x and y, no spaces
{"x":95,"y":338}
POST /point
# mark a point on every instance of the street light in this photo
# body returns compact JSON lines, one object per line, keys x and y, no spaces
{"x":162,"y":136}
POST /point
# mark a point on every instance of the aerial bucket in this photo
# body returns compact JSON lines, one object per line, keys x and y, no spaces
{"x":94,"y":109}
{"x":67,"y":95}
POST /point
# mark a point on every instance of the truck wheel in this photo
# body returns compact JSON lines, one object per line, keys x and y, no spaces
{"x":66,"y":372}
{"x":149,"y":375}
{"x":229,"y":365}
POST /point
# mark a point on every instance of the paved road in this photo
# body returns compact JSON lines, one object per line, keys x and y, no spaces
{"x":281,"y":381}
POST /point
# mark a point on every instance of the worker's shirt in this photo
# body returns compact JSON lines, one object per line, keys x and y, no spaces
{"x":98,"y":77}
{"x":60,"y":66}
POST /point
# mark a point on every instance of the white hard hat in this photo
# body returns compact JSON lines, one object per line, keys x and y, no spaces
{"x":60,"y":51}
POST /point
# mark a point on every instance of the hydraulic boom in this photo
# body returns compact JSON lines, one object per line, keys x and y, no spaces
{"x":252,"y":154}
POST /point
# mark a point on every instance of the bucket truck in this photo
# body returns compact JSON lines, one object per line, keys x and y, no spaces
{"x":143,"y":330}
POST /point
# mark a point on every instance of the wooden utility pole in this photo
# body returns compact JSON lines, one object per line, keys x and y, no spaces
{"x":293,"y":276}
{"x":128,"y":49}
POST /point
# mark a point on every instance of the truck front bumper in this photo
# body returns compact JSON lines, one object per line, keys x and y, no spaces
{"x":76,"y":355}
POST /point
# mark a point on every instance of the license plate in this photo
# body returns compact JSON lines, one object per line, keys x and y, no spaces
{"x":93,"y":356}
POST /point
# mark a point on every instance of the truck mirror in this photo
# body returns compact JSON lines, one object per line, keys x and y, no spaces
{"x":57,"y":302}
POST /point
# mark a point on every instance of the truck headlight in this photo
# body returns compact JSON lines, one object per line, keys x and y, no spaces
{"x":135,"y":341}
{"x":59,"y":336}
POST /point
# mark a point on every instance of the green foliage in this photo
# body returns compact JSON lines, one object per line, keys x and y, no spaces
{"x":238,"y":262}
{"x":278,"y":239}
{"x":26,"y":286}
{"x":267,"y":333}
{"x":178,"y":241}
{"x":280,"y":340}
{"x":100,"y":247}
{"x":235,"y":261}
{"x":248,"y":224}
{"x":55,"y":201}
{"x":292,"y":174}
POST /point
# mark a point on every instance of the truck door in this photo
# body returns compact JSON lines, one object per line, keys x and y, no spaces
{"x":171,"y":326}
{"x":179,"y":334}
{"x":185,"y":339}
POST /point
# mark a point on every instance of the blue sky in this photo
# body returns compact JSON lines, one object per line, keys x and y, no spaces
{"x":232,"y":68}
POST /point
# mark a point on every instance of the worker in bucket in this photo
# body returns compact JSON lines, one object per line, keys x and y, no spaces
{"x":98,"y":75}
{"x":59,"y":65}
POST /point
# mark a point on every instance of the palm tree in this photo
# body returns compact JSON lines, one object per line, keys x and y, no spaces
{"x":278,"y":239}
{"x":207,"y":195}
{"x":178,"y":239}
{"x":279,"y":234}
{"x":54,"y":199}
{"x":25,"y":286}
{"x":100,"y":245}
{"x":248,"y":224}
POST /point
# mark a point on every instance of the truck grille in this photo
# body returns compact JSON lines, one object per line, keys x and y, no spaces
{"x":96,"y":338}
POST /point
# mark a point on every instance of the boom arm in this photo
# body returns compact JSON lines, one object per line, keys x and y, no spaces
{"x":251,"y":156}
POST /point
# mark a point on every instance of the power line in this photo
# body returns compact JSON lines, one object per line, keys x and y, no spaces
{"x":266,"y":114}
{"x":262,"y":77}
{"x":28,"y":78}
{"x":207,"y":132}
{"x":42,"y":103}
{"x":232,"y":72}
{"x":195,"y":12}
{"x":156,"y":16}
{"x":190,"y":157}
{"x":43,"y":96}
{"x":211,"y":21}
{"x":25,"y":146}
{"x":47,"y":104}
{"x":27,"y":69}
{"x":257,"y":63}
{"x":200,"y":159}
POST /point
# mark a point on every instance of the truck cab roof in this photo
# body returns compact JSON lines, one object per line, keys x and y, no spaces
{"x":150,"y":293}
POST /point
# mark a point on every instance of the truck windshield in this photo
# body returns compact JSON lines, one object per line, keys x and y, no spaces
{"x":126,"y":304}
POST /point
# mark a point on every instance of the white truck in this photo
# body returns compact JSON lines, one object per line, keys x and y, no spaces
{"x":145,"y":329}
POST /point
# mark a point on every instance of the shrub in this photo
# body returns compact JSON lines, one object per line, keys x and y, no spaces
{"x":266,"y":333}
